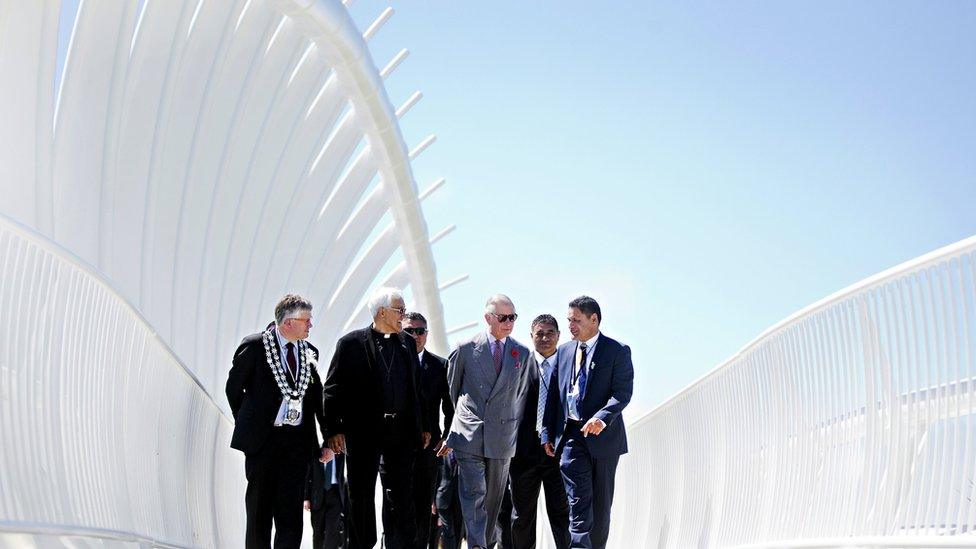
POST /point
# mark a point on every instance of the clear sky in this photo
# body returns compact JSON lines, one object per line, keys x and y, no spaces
{"x":701,"y":169}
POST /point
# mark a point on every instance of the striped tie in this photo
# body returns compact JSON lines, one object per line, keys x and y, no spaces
{"x":543,"y":393}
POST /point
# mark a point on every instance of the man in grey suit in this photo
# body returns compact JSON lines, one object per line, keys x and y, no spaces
{"x":488,"y":383}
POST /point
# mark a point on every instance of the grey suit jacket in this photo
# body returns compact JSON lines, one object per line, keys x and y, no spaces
{"x":487,"y":410}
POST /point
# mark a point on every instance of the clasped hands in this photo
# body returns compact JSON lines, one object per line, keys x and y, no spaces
{"x":594,"y":427}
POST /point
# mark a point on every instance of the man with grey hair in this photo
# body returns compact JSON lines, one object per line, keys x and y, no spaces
{"x":373,"y":415}
{"x":275,"y":395}
{"x":488,"y":383}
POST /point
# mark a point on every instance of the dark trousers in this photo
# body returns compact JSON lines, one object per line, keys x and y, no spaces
{"x":505,"y":520}
{"x":424,"y":485}
{"x":589,"y":485}
{"x":327,"y":528}
{"x":529,"y":475}
{"x":275,"y":482}
{"x":391,"y":453}
{"x":450,"y":521}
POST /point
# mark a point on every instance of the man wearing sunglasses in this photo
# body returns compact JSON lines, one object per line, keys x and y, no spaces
{"x":488,"y":383}
{"x":434,"y":395}
{"x":371,"y":402}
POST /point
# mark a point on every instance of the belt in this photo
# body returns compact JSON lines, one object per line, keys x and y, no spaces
{"x":390,"y":416}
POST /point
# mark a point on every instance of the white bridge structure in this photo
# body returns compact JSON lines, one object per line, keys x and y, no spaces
{"x":184,"y":166}
{"x":168,"y":169}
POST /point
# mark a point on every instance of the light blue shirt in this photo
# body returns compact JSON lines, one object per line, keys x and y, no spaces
{"x":573,"y":396}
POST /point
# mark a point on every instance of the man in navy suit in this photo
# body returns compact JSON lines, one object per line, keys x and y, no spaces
{"x":583,"y":423}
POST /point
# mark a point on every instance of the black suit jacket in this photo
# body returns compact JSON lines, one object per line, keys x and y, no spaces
{"x":353,"y":391}
{"x":435,"y":394}
{"x":315,"y":481}
{"x":528,"y":444}
{"x":254,"y":398}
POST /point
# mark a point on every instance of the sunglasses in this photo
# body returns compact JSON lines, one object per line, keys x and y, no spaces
{"x":416,"y":331}
{"x":505,"y":318}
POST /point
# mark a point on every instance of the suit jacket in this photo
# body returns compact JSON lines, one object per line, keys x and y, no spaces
{"x":353,"y":390}
{"x":487,"y":408}
{"x":315,"y":481}
{"x":435,"y":394}
{"x":609,"y":386}
{"x":529,"y":446}
{"x":255,"y":398}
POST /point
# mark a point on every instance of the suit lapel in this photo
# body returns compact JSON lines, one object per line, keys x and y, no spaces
{"x":593,"y":364}
{"x":370,"y":349}
{"x":482,"y":356}
{"x":565,"y":361}
{"x":509,"y":360}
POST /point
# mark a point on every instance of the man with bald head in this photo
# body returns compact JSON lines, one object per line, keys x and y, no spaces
{"x":488,"y":383}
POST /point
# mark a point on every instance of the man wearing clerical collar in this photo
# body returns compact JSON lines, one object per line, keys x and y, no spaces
{"x":275,"y":396}
{"x":370,"y":425}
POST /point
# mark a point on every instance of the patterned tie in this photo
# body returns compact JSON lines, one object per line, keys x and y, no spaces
{"x":543,"y":394}
{"x":292,"y":363}
{"x":496,"y":355}
{"x":581,"y":376}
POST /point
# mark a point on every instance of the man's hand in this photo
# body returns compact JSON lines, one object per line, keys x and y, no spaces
{"x":550,"y":449}
{"x":593,"y":427}
{"x":444,"y":450}
{"x":327,"y":455}
{"x":307,"y":505}
{"x":440,"y":444}
{"x":426,"y":437}
{"x":338,"y":443}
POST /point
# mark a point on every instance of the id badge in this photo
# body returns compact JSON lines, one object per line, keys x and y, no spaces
{"x":293,"y":412}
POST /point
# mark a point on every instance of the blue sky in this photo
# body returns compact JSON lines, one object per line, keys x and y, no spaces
{"x":702,"y":169}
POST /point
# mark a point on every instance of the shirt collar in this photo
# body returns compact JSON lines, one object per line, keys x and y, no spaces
{"x":540,"y":359}
{"x":492,"y":340}
{"x":420,"y":356}
{"x":281,"y":339}
{"x":591,"y":343}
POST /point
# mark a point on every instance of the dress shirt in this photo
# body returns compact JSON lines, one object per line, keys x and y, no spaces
{"x":574,"y":396}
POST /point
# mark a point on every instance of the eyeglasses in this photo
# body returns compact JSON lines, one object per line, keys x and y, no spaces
{"x":305,"y":320}
{"x":399,"y":310}
{"x":505,"y":318}
{"x":417,"y":331}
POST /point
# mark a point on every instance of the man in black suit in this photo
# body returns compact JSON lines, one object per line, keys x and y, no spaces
{"x":373,"y":416}
{"x":531,"y":468}
{"x":436,"y":398}
{"x":275,"y":395}
{"x":325,"y":498}
{"x":583,"y":424}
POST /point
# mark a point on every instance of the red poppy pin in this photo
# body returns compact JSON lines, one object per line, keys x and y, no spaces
{"x":515,"y":355}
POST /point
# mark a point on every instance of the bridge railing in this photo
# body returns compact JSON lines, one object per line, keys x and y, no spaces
{"x":849,"y":423}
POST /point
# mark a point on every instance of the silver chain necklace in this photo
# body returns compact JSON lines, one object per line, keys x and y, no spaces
{"x":274,"y":362}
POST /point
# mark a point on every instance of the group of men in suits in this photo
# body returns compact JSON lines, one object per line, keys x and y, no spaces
{"x":513,"y":420}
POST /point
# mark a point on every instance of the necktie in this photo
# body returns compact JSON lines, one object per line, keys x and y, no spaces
{"x":292,"y":363}
{"x":580,"y":375}
{"x":496,"y":355}
{"x":543,"y":394}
